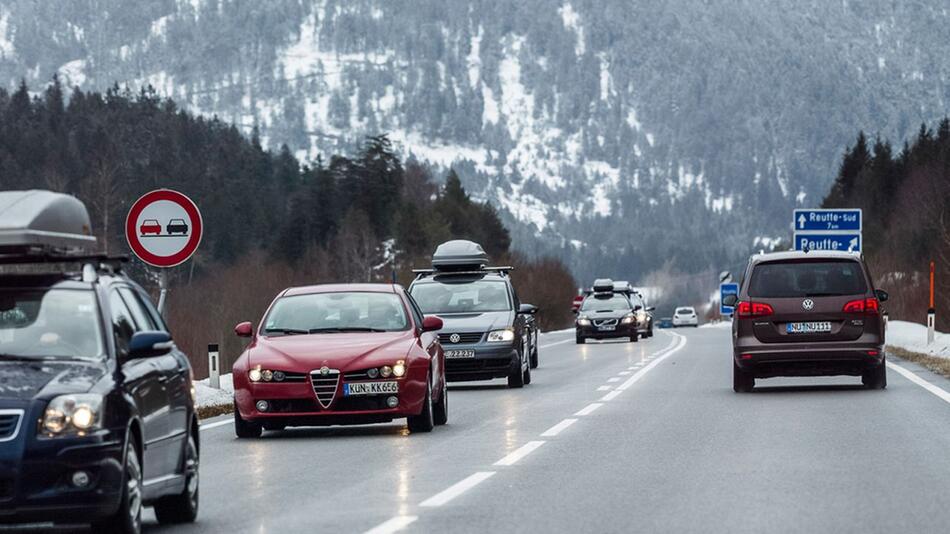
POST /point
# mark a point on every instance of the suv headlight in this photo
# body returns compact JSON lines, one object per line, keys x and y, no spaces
{"x":498,"y":336}
{"x":583,"y":321}
{"x":641,"y":316}
{"x":629,"y":318}
{"x":72,"y":415}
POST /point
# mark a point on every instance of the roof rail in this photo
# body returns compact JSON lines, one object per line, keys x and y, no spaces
{"x":484,"y":270}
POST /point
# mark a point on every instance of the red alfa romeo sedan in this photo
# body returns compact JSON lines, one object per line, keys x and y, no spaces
{"x":338,"y":355}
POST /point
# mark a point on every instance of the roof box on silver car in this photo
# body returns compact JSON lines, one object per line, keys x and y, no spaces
{"x":603,"y":285}
{"x":45,"y":222}
{"x":459,"y":254}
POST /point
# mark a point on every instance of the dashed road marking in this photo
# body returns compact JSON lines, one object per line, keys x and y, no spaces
{"x":520,"y":453}
{"x":589,"y":408}
{"x":604,"y":388}
{"x":393,"y":525}
{"x":614,"y":379}
{"x":556,"y":429}
{"x":456,"y":489}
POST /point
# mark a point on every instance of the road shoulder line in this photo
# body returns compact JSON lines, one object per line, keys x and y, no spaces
{"x":913,"y":377}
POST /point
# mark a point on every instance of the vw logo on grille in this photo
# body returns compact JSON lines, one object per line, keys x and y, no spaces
{"x":455,"y":338}
{"x":324,"y":370}
{"x":808,"y":304}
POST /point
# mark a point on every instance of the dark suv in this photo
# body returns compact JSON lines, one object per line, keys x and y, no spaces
{"x":97,"y":413}
{"x":807,"y":314}
{"x":487,"y":332}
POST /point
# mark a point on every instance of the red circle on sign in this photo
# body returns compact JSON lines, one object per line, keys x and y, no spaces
{"x":133,"y":238}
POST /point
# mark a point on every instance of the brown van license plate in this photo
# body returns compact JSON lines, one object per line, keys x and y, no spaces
{"x":820,"y":327}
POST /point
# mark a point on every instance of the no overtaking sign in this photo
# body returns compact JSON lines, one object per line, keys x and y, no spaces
{"x":163,"y":228}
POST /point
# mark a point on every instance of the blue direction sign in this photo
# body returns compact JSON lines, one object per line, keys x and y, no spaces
{"x":819,"y":220}
{"x":845,"y":241}
{"x":727,"y":289}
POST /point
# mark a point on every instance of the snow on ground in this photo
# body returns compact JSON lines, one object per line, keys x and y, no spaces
{"x":913,"y":337}
{"x":717,"y":324}
{"x":208,"y":396}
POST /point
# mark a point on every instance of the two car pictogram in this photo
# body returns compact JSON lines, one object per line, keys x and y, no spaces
{"x":151,"y":227}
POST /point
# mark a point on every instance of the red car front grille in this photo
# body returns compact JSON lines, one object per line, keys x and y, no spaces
{"x":325,"y":385}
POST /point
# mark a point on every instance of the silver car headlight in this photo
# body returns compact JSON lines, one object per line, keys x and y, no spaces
{"x":501,"y":336}
{"x":629,"y":318}
{"x":72,"y":415}
{"x":583,"y":321}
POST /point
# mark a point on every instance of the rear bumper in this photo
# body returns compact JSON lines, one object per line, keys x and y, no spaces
{"x":808,"y":359}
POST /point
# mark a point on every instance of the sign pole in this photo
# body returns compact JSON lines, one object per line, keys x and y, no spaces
{"x":163,"y":290}
{"x":931,"y":311}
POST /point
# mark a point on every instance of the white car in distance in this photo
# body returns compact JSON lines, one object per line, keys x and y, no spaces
{"x":685,"y":316}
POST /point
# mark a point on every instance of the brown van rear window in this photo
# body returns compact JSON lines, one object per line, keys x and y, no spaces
{"x":807,"y":279}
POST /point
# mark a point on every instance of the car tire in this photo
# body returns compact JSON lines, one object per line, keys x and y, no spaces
{"x":580,"y":340}
{"x":425,"y":421}
{"x":128,"y":518}
{"x":534,"y":355}
{"x":441,"y":409}
{"x":875,"y":378}
{"x":634,"y":338}
{"x":245,"y":429}
{"x":516,"y":377}
{"x":182,"y":508}
{"x":742,"y":381}
{"x":526,"y":375}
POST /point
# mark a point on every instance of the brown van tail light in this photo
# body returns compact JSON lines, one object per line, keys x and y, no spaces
{"x":866,"y":306}
{"x":753,"y":309}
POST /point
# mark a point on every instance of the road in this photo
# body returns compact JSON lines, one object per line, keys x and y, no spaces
{"x":610,"y":437}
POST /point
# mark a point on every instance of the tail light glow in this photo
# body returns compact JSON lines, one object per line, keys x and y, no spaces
{"x":753,"y":309}
{"x":869,"y":306}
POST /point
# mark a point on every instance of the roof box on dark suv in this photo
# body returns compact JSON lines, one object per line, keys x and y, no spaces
{"x":459,"y":254}
{"x":42,"y":220}
{"x":603,"y":285}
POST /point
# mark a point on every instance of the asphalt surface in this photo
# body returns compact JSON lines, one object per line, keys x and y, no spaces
{"x":609,"y":437}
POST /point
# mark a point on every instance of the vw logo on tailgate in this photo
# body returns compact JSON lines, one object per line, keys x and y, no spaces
{"x":455,"y":338}
{"x":808,"y":304}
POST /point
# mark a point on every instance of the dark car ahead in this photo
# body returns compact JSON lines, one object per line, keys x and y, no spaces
{"x":487,"y":332}
{"x":807,"y":314}
{"x":606,"y":316}
{"x":97,"y":413}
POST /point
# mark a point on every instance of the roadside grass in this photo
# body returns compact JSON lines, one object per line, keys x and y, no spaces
{"x":205,"y":412}
{"x":934,"y":363}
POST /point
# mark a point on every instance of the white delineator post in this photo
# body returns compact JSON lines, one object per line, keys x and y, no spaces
{"x":931,"y":311}
{"x":214,"y":367}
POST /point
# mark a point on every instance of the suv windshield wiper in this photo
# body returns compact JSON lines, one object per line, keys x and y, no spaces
{"x":287,"y":331}
{"x":344,"y":329}
{"x":45,"y":357}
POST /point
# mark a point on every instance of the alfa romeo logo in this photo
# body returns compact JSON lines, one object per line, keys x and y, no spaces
{"x":808,"y":304}
{"x":324,"y":370}
{"x":455,"y":338}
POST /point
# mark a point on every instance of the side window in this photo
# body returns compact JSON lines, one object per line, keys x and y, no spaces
{"x":142,"y":319}
{"x":416,"y":312}
{"x":122,"y":324}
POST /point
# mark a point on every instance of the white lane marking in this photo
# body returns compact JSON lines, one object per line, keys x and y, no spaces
{"x":589,"y":408}
{"x":555,"y":343}
{"x":520,"y":453}
{"x":623,"y":373}
{"x":614,"y":379}
{"x":393,"y":525}
{"x":938,"y":391}
{"x":633,"y":367}
{"x":456,"y":489}
{"x":556,"y":429}
{"x":676,"y":346}
{"x":209,"y":426}
{"x":604,"y":388}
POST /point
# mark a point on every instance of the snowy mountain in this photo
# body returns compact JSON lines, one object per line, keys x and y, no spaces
{"x":617,"y":134}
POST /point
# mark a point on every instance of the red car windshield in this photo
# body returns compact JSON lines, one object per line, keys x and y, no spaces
{"x":336,"y":312}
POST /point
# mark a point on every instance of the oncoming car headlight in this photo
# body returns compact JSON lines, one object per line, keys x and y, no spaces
{"x":583,"y":321}
{"x":627,"y":319}
{"x":72,"y":415}
{"x":498,"y":336}
{"x":265,"y":375}
{"x":399,"y":369}
{"x":641,"y":316}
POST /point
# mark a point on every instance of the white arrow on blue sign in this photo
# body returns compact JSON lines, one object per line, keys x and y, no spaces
{"x":827,"y":220}
{"x":727,"y":289}
{"x":844,"y":242}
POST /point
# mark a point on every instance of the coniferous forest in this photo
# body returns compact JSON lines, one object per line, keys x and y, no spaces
{"x":905,"y":195}
{"x":270,"y":222}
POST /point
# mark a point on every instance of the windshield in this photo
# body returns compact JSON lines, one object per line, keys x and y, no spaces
{"x":50,"y":324}
{"x":336,"y":312}
{"x":807,"y":279}
{"x":615,"y":302}
{"x":478,"y":296}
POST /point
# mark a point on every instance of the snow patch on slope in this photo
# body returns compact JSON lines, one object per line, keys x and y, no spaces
{"x":6,"y":45}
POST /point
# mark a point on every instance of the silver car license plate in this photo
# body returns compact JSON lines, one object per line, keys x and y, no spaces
{"x":460,"y":353}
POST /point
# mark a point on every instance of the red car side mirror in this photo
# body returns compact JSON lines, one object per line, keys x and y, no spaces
{"x":431,"y":323}
{"x":245,"y":329}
